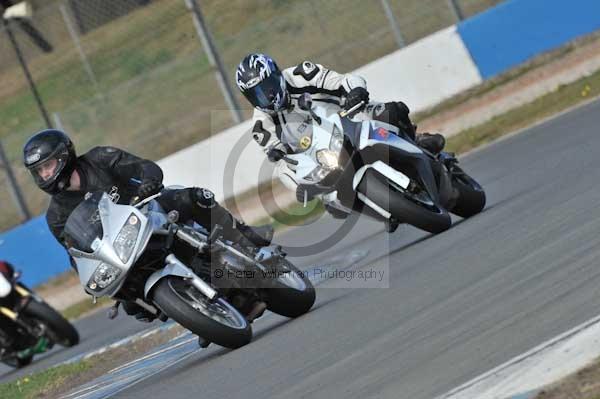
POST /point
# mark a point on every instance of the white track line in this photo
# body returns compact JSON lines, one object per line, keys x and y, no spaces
{"x":544,"y":364}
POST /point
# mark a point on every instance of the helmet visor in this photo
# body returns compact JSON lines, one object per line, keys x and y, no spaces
{"x":46,"y":172}
{"x":268,"y":94}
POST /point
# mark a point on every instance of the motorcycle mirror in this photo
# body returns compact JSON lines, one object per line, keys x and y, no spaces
{"x":305,"y":102}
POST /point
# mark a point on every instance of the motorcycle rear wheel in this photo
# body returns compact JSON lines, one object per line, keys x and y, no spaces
{"x":291,"y":294}
{"x":471,"y":200}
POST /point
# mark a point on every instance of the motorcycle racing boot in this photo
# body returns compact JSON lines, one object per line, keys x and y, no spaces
{"x":260,"y":236}
{"x":433,"y":143}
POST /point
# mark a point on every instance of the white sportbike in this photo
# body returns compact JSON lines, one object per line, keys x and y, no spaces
{"x":372,"y":168}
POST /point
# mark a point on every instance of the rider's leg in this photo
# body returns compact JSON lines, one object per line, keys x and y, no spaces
{"x":397,"y":114}
{"x":199,"y":204}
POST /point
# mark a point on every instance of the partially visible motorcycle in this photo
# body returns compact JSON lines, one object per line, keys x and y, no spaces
{"x":371,"y":167}
{"x":28,"y":325}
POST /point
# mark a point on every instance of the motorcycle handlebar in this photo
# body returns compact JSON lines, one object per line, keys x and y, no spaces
{"x":137,"y":201}
{"x":358,"y":106}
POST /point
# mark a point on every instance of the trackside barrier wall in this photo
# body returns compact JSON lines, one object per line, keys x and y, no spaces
{"x":421,"y":74}
{"x":517,"y":30}
{"x":32,"y":249}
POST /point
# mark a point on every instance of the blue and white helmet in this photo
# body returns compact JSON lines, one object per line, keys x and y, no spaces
{"x":260,"y":80}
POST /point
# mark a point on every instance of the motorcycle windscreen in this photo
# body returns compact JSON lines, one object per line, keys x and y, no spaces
{"x":84,"y":224}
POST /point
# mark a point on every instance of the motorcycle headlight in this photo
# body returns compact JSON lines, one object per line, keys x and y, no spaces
{"x":337,"y":140}
{"x":317,"y":174}
{"x":104,"y":276}
{"x":327,"y":159}
{"x":127,"y":237}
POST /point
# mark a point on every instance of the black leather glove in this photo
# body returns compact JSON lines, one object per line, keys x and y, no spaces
{"x":301,"y":192}
{"x":149,"y":187}
{"x":310,"y":190}
{"x":355,"y":96}
{"x":275,"y":155}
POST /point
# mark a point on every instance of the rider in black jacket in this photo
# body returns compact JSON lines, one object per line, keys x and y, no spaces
{"x":50,"y":157}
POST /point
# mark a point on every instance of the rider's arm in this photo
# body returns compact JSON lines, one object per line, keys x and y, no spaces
{"x":308,"y":75}
{"x":125,"y":166}
{"x":266,"y":133}
{"x":56,"y":222}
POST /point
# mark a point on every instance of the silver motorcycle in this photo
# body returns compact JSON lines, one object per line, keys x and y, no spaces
{"x":176,"y":269}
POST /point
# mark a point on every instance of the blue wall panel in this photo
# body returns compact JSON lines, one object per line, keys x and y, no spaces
{"x":32,"y":249}
{"x":517,"y":30}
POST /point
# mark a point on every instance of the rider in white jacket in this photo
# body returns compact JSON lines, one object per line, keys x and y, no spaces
{"x":274,"y":94}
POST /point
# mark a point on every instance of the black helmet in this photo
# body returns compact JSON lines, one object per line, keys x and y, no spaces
{"x":260,"y":80}
{"x":39,"y":155}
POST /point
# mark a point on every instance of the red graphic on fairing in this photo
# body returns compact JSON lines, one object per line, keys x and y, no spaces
{"x":383,"y":133}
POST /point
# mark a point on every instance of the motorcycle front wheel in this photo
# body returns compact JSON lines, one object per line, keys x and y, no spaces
{"x":216,"y":321}
{"x":377,"y":188}
{"x":60,"y":329}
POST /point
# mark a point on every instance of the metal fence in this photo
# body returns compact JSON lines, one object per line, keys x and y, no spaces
{"x":135,"y":73}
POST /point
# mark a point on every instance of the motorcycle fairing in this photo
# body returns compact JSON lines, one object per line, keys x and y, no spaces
{"x":377,"y":138}
{"x":5,"y":286}
{"x":87,"y":263}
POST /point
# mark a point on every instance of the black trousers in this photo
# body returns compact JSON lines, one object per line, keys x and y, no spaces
{"x":199,"y":205}
{"x":395,"y":113}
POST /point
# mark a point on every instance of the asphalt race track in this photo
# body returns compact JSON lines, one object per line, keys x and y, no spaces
{"x":457,"y":305}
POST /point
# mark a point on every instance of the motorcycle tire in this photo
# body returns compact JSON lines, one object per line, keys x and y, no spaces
{"x":292,"y":294}
{"x":471,"y":200}
{"x":63,"y":332}
{"x":375,"y":187}
{"x":182,"y":302}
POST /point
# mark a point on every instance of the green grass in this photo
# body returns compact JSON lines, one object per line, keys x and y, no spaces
{"x":564,"y":97}
{"x":38,"y":384}
{"x":296,"y":215}
{"x":81,"y":308}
